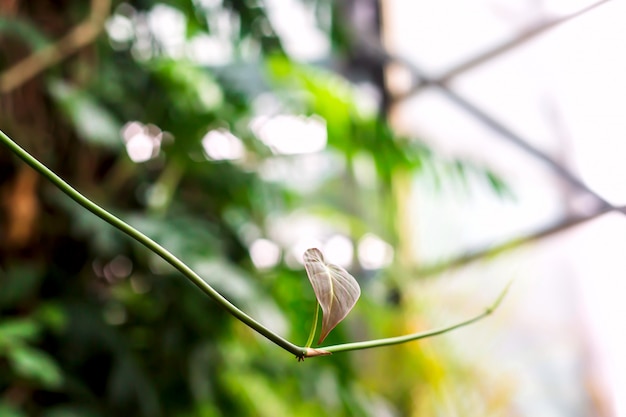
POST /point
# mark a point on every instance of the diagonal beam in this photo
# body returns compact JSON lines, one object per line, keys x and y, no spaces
{"x":377,"y":51}
{"x":484,"y":253}
{"x":499,"y":49}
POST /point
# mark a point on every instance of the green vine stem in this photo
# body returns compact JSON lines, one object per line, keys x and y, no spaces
{"x":416,"y":336}
{"x":151,"y":245}
{"x":299,"y":352}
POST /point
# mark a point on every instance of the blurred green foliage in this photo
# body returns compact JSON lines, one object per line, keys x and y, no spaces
{"x":93,"y":325}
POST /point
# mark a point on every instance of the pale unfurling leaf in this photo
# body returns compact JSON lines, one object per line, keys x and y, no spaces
{"x":335,"y":289}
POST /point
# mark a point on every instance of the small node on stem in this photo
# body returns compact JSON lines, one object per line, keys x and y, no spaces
{"x":310,"y":353}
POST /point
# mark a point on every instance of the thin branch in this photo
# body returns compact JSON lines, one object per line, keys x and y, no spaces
{"x":518,"y":141}
{"x":80,"y":36}
{"x":500,"y":49}
{"x":498,"y":249}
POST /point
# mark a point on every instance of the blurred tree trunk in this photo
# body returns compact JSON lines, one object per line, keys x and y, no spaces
{"x":27,"y":114}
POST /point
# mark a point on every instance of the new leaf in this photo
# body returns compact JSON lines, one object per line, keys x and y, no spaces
{"x":335,"y":289}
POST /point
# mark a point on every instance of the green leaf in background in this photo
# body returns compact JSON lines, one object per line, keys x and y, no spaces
{"x":193,"y":88}
{"x":24,"y":31}
{"x":18,"y":283}
{"x":18,"y":331}
{"x":92,"y":121}
{"x":335,"y":289}
{"x":51,"y":316}
{"x":35,"y":364}
{"x":7,"y":410}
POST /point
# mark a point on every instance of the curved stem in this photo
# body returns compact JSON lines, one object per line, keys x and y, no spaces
{"x":411,"y":337}
{"x":300,"y":352}
{"x":152,"y":245}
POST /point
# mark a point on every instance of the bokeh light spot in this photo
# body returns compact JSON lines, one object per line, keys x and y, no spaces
{"x":373,"y":252}
{"x":221,"y":145}
{"x":265,"y":254}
